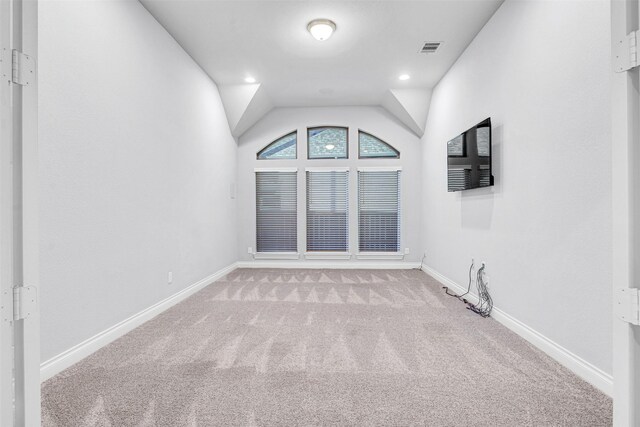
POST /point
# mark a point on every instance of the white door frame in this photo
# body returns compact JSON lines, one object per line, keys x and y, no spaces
{"x":625,"y":114}
{"x":19,"y":334}
{"x":6,"y":226}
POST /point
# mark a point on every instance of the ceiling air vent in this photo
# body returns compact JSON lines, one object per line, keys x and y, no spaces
{"x":430,"y":47}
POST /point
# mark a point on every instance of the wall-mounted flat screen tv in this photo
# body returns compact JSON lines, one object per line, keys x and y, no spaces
{"x":469,"y":158}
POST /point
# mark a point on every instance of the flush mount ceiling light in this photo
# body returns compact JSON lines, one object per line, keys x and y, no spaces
{"x":329,"y":146}
{"x":321,"y":29}
{"x":250,"y":80}
{"x":404,"y":77}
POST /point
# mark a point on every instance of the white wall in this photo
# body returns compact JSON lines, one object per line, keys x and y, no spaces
{"x":136,"y":160}
{"x":374,"y":120}
{"x":540,"y":70}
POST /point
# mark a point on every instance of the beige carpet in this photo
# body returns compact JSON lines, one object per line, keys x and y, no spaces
{"x":321,"y":347}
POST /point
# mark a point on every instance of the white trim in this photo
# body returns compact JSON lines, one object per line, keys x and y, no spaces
{"x":20,"y":389}
{"x":379,"y":168}
{"x":624,"y":184}
{"x":380,"y":255}
{"x":276,"y":255}
{"x":585,"y":370}
{"x":7,"y":226}
{"x":335,"y":265}
{"x":282,"y":169}
{"x":327,"y":255}
{"x":78,"y":352}
{"x":327,"y":169}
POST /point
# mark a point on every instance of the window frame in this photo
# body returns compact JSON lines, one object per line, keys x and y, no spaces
{"x":380,"y":255}
{"x":274,"y":141}
{"x":361,"y":157}
{"x":329,"y":254}
{"x":276,"y":254}
{"x":310,"y":128}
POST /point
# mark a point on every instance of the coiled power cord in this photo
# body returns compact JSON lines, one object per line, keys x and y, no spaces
{"x":485,"y":302}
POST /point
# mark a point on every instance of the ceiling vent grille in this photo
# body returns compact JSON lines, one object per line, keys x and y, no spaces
{"x":430,"y":47}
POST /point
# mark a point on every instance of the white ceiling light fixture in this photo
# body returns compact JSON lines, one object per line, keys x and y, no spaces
{"x":329,"y":146}
{"x":321,"y":29}
{"x":404,"y":77}
{"x":250,"y":79}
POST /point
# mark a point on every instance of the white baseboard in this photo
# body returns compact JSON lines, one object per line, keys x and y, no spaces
{"x":389,"y":265}
{"x":78,"y":352}
{"x":585,"y":370}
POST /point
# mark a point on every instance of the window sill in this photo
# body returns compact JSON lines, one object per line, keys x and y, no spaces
{"x":327,"y":255}
{"x":276,"y":255}
{"x":380,"y":255}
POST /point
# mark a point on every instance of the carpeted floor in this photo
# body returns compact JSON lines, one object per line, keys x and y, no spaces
{"x":321,"y":347}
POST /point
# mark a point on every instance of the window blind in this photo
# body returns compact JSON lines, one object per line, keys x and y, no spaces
{"x":276,"y":212}
{"x":327,"y":211}
{"x":379,"y":211}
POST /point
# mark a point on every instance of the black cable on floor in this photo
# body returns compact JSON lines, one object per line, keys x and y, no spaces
{"x":485,"y":303}
{"x":446,"y":289}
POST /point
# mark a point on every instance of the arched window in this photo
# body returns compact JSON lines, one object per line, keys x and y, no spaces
{"x":327,"y":143}
{"x":370,"y":147}
{"x":282,"y":148}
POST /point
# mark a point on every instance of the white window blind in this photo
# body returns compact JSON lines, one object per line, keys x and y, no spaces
{"x":327,"y":211}
{"x":276,"y":212}
{"x":379,"y":211}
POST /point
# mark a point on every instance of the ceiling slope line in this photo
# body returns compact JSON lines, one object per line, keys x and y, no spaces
{"x":410,"y":106}
{"x":244,"y":105}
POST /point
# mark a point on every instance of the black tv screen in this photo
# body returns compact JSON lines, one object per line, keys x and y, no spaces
{"x":469,"y":158}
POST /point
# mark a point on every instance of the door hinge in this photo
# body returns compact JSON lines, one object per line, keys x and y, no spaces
{"x":22,"y":68}
{"x":625,"y":53}
{"x":627,"y":305}
{"x":24,"y":301}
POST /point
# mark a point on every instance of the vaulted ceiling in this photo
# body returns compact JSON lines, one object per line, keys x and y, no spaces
{"x":374,"y":43}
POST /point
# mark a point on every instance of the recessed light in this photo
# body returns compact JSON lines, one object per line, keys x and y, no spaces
{"x":321,"y":29}
{"x":404,"y":77}
{"x":329,"y":146}
{"x":250,"y":80}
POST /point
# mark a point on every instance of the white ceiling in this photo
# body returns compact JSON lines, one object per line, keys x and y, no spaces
{"x":374,"y":43}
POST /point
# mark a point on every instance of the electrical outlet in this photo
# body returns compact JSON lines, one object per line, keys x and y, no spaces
{"x":406,"y":251}
{"x":170,"y":277}
{"x":249,"y":250}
